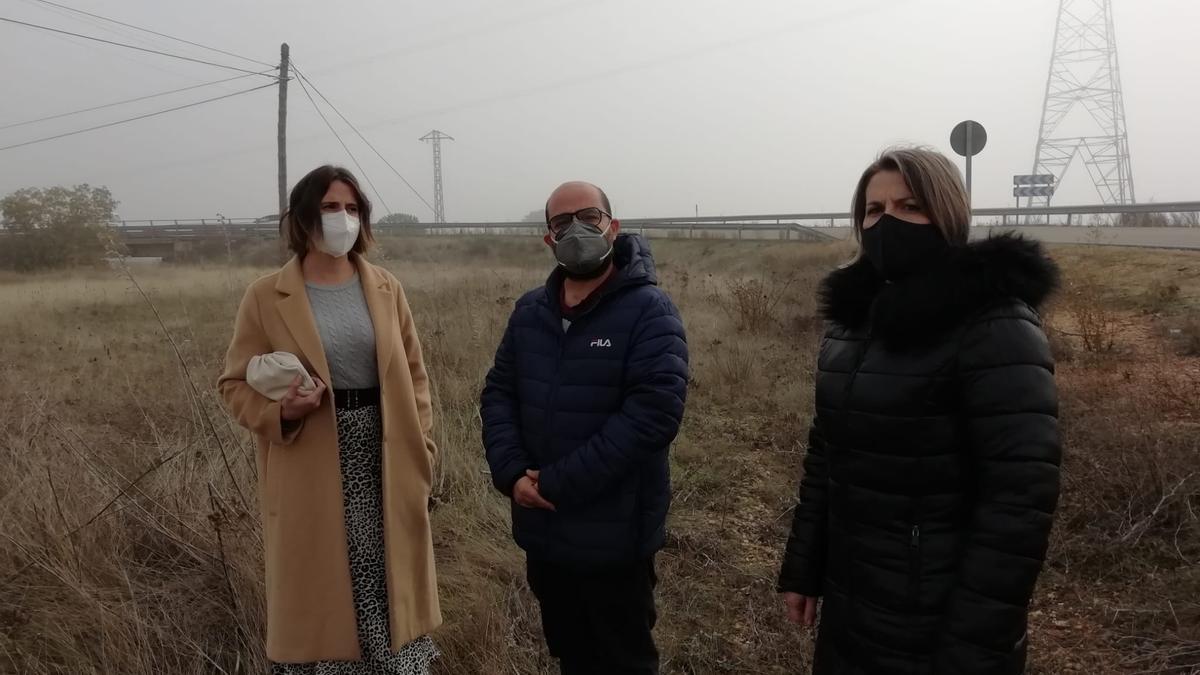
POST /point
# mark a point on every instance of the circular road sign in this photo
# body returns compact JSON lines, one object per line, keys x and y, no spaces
{"x":968,"y":138}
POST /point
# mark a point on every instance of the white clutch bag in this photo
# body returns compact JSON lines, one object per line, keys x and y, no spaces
{"x":272,"y":374}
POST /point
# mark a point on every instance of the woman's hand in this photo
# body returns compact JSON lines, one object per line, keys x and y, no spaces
{"x":801,"y":609}
{"x":295,"y":406}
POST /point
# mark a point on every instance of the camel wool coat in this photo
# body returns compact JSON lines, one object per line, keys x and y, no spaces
{"x":310,"y":609}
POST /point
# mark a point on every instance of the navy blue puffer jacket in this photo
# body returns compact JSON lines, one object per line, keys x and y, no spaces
{"x":595,"y":408}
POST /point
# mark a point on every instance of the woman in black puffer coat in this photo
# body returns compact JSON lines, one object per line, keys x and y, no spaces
{"x":932,"y":470}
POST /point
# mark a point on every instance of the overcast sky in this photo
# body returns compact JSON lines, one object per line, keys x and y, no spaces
{"x":756,"y":106}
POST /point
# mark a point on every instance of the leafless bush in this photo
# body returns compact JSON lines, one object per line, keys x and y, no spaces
{"x":1096,"y":321}
{"x":752,"y":303}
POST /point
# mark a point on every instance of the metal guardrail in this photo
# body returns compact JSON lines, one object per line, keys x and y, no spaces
{"x":784,"y":226}
{"x":1002,"y":212}
{"x":195,"y":231}
{"x":191,"y":222}
{"x":795,"y":222}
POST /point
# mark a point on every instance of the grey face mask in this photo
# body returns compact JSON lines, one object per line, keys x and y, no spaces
{"x":582,"y":251}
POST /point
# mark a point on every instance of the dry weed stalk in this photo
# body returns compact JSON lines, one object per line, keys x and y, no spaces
{"x":191,"y":386}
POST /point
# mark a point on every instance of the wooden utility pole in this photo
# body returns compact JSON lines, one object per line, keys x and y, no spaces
{"x":283,"y":80}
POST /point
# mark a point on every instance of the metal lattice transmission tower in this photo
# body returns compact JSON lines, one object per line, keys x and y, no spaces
{"x":1084,"y":110}
{"x":439,"y":206}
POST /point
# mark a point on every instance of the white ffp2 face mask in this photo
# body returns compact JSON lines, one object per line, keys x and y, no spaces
{"x":339,"y":231}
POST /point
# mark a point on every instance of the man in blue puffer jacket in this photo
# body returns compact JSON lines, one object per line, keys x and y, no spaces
{"x":579,"y":412}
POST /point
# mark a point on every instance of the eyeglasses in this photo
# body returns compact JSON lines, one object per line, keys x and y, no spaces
{"x":590,"y":216}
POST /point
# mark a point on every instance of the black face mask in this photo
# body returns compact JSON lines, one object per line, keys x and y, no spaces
{"x":898,"y":248}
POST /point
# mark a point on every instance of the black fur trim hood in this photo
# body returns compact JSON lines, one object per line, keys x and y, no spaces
{"x":964,"y":282}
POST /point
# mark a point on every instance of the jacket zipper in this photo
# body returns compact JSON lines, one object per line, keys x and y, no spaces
{"x":551,"y":411}
{"x":551,"y":402}
{"x":914,"y":566}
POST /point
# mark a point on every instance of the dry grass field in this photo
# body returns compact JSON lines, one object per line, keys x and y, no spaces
{"x":129,"y":537}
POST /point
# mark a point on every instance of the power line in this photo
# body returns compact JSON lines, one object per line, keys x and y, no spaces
{"x":134,"y":119}
{"x":112,"y":32}
{"x":591,"y":78}
{"x":363,"y":138}
{"x":147,"y":30}
{"x":339,"y":138}
{"x":128,"y":35}
{"x":130,"y":100}
{"x":127,"y":46}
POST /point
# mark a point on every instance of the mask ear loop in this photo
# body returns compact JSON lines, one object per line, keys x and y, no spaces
{"x":611,"y":247}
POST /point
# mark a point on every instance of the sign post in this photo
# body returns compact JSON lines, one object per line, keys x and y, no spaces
{"x":1034,"y":185}
{"x":968,"y":140}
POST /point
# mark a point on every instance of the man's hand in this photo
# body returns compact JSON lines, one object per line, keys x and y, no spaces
{"x":525,"y":493}
{"x":296,"y":406}
{"x":801,"y":609}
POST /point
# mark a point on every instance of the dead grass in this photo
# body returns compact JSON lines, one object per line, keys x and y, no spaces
{"x":125,"y":546}
{"x":1186,"y":336}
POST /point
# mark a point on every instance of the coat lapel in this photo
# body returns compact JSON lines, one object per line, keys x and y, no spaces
{"x":298,"y":316}
{"x":381,"y":302}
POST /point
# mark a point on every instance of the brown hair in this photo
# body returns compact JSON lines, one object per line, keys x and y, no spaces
{"x":303,"y":215}
{"x":935,"y":183}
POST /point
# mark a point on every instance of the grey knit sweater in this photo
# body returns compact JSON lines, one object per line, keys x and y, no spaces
{"x":347,"y":333}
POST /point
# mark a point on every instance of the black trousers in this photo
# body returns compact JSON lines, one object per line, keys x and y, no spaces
{"x":598,"y":620}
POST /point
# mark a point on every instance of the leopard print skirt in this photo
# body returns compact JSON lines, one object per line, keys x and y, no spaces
{"x":359,"y":448}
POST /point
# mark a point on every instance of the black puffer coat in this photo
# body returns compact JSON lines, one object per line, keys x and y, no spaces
{"x":932,"y":472}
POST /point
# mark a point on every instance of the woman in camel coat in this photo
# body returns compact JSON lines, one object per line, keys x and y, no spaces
{"x":345,"y":469}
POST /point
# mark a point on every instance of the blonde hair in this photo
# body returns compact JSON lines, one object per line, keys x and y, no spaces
{"x":935,"y":183}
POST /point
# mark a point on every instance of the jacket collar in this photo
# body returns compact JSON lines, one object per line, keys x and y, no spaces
{"x":634,"y":267}
{"x":297,"y":313}
{"x":968,"y":279}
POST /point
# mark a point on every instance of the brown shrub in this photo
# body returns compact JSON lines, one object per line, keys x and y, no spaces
{"x":1096,"y":321}
{"x":1131,"y":487}
{"x":752,"y":303}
